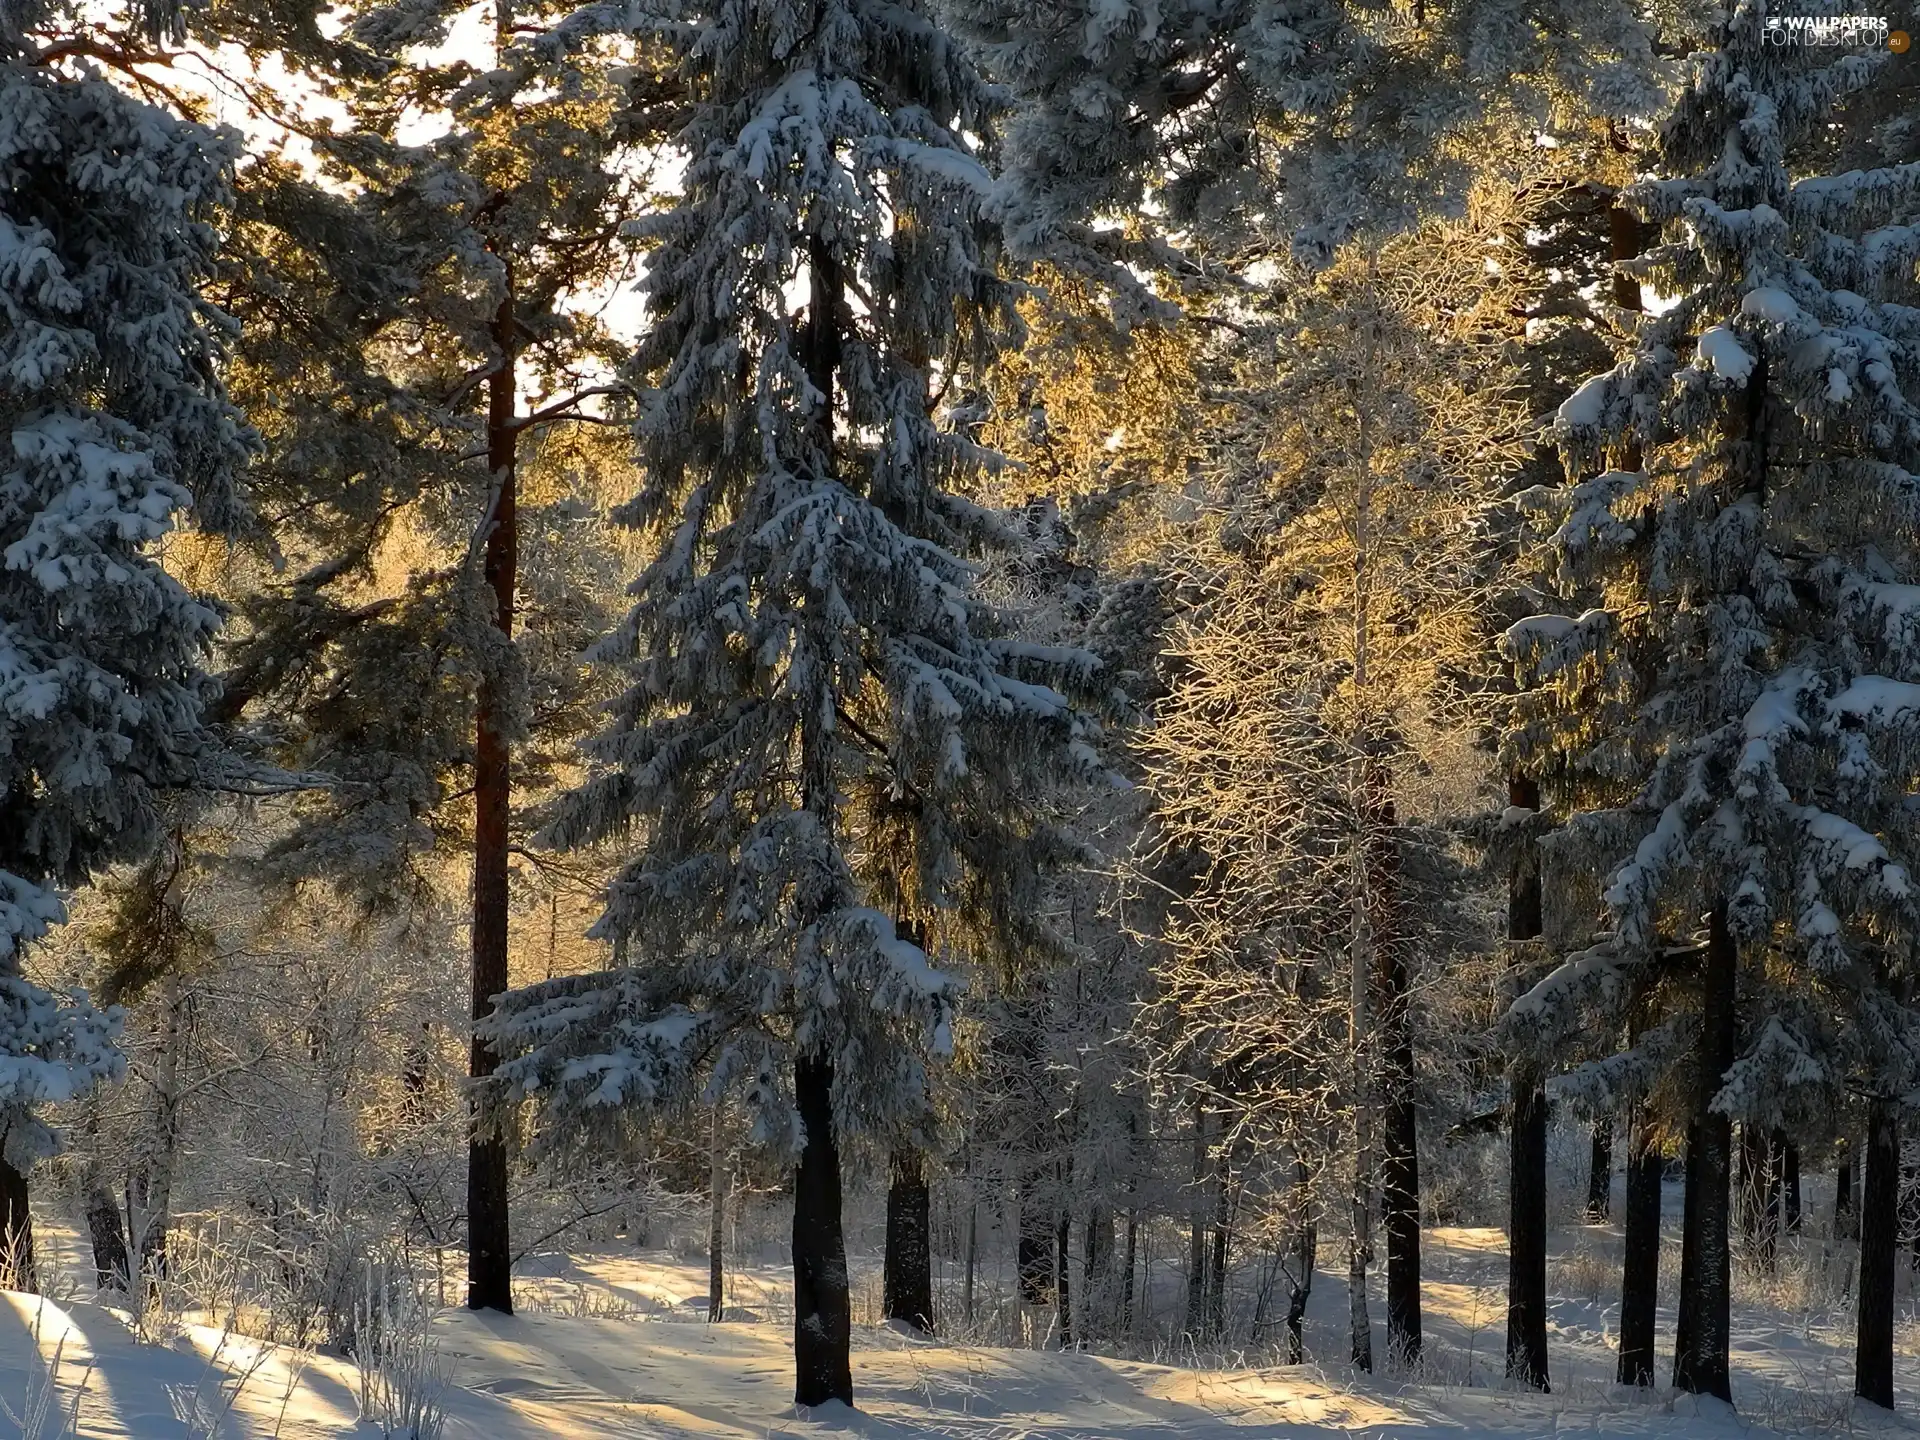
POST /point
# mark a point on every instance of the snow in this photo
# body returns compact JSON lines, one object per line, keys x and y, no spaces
{"x":1721,"y":352}
{"x":1774,"y":306}
{"x":1585,"y":407}
{"x":613,"y":1345}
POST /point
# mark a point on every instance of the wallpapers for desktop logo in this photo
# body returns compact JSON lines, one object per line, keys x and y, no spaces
{"x":1852,"y":31}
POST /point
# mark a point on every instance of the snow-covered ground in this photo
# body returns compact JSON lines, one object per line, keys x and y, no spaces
{"x":613,"y":1345}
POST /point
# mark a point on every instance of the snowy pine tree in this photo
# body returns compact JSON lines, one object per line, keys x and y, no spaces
{"x":116,"y":427}
{"x":1313,"y":119}
{"x":807,"y":632}
{"x":1728,"y":726}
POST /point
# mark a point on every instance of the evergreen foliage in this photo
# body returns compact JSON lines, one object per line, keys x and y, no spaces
{"x":117,"y":428}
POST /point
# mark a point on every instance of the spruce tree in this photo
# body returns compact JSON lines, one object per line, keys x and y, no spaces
{"x":807,"y":631}
{"x":117,"y":430}
{"x":1726,"y":727}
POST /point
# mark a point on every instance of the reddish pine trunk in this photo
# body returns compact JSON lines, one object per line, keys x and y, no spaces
{"x":489,"y":1252}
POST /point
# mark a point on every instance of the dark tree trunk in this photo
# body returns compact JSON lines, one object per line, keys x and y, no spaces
{"x":1879,"y":1240}
{"x":1600,"y":1172}
{"x":1700,"y":1360}
{"x":1126,"y":1278}
{"x":1756,"y":1195}
{"x":1034,"y":1260}
{"x":1789,"y":1183}
{"x":1306,"y":1245}
{"x":1062,"y":1264}
{"x":489,"y":1249}
{"x":822,"y":1305}
{"x":1845,"y":1212}
{"x":1527,"y":1237}
{"x":973,"y":1250}
{"x":717,"y":1224}
{"x":907,"y":1272}
{"x":1640,"y":1265}
{"x":1399,"y":1137}
{"x":1096,"y":1289}
{"x":1222,"y":1240}
{"x":108,"y":1236}
{"x":1526,"y":1151}
{"x":16,"y":1230}
{"x":1197,"y":1236}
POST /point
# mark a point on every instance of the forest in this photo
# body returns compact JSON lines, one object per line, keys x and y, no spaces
{"x":1230,"y":685}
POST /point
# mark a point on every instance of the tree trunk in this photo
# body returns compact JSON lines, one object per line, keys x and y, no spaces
{"x":1526,"y":1151}
{"x":1400,"y":1212}
{"x":1197,"y":1233}
{"x":1844,"y":1211}
{"x":1700,"y":1360}
{"x":489,"y":1248}
{"x":717,"y":1185}
{"x":104,"y":1230}
{"x":1126,"y":1280}
{"x":907,"y":1272}
{"x":1222,"y":1239}
{"x":150,"y":1185}
{"x":973,"y":1253}
{"x":1096,"y":1288}
{"x":822,"y":1304}
{"x":1527,"y":1236}
{"x":1640,"y":1266}
{"x":1600,"y":1172}
{"x":1400,"y":1141}
{"x":1756,"y":1197}
{"x":1789,"y":1183}
{"x":1063,"y":1264}
{"x":1306,"y":1245}
{"x":1035,"y":1248}
{"x":1879,"y":1240}
{"x":16,"y":1230}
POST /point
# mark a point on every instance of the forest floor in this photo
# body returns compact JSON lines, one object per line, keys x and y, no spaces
{"x":614,"y":1344}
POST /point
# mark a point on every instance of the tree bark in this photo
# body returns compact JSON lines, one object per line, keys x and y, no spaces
{"x":1400,"y":1139}
{"x":1096,"y":1285}
{"x":1640,"y":1267}
{"x":1702,"y":1338}
{"x":489,"y":1247}
{"x":104,"y":1230}
{"x":973,"y":1254}
{"x":907,"y":1272}
{"x":1222,"y":1240}
{"x":1526,"y":1151}
{"x":1034,"y":1251}
{"x":1527,"y":1236}
{"x":1879,"y":1242}
{"x":1791,"y":1209}
{"x":822,"y":1303}
{"x":16,"y":1229}
{"x":1197,"y":1233}
{"x":1305,"y":1253}
{"x":150,"y":1185}
{"x":1600,"y":1172}
{"x":717,"y":1185}
{"x":1757,"y":1196}
{"x":1063,"y":1263}
{"x":1844,"y":1212}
